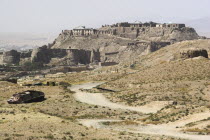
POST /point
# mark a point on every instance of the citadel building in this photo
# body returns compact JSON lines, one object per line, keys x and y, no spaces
{"x":117,"y":28}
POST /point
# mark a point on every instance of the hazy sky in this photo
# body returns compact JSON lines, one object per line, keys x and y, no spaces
{"x":55,"y":15}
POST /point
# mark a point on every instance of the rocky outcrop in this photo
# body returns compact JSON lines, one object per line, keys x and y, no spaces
{"x":191,"y":53}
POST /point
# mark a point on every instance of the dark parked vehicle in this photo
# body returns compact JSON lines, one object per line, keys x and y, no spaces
{"x":26,"y":97}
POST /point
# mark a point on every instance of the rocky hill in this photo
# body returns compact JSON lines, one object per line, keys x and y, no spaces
{"x":109,"y":44}
{"x":124,"y":41}
{"x":134,"y":31}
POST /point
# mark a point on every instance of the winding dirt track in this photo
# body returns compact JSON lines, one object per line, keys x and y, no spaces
{"x":101,"y":100}
{"x":164,"y":129}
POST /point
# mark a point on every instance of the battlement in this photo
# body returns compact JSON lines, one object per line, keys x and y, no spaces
{"x":170,"y":25}
{"x":136,"y":24}
{"x":82,"y":31}
{"x":146,"y":24}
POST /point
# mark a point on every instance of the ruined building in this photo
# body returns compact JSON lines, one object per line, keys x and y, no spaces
{"x":50,"y":57}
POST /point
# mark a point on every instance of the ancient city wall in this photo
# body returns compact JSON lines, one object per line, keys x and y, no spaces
{"x":68,"y":56}
{"x":11,"y":57}
{"x":46,"y":55}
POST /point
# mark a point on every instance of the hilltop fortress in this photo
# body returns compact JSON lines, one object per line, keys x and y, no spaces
{"x":134,"y":30}
{"x":110,"y":43}
{"x":119,"y":29}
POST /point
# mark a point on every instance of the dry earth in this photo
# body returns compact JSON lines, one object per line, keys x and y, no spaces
{"x":56,"y":117}
{"x":155,"y":78}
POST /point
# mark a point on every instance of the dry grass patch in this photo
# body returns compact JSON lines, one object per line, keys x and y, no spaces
{"x":198,"y":131}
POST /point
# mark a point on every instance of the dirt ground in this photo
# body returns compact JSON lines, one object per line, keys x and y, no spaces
{"x":56,"y":117}
{"x":178,"y":90}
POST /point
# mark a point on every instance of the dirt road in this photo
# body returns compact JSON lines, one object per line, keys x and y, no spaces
{"x":101,"y":100}
{"x":163,"y":129}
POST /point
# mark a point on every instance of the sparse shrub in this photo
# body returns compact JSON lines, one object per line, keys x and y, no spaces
{"x":122,"y":133}
{"x":49,"y":136}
